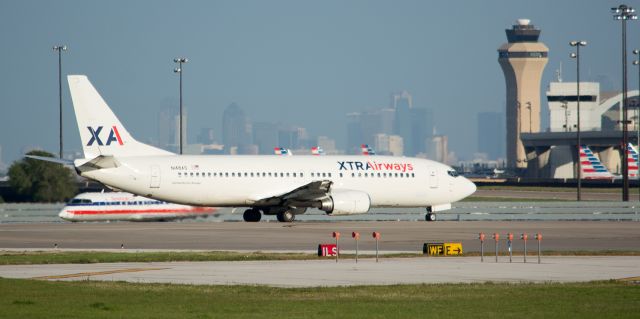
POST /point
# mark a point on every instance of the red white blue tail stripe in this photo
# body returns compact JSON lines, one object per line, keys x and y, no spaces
{"x":366,"y":150}
{"x":591,"y":166}
{"x":317,"y":150}
{"x":281,"y":151}
{"x":632,"y":161}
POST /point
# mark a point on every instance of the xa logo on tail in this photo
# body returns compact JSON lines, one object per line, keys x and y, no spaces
{"x":114,"y":136}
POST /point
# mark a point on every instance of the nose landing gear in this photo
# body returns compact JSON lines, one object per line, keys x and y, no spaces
{"x":431,"y":216}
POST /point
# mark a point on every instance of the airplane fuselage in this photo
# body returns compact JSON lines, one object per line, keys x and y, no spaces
{"x":239,"y":181}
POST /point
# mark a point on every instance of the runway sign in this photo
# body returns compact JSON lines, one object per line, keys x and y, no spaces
{"x":327,"y":250}
{"x":442,"y":249}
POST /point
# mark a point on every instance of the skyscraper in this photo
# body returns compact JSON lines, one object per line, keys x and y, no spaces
{"x":265,"y":136}
{"x":235,"y":128}
{"x":176,"y":129}
{"x":166,"y":129}
{"x":522,"y":60}
{"x":421,"y":128}
{"x":491,"y":135}
{"x":403,"y":103}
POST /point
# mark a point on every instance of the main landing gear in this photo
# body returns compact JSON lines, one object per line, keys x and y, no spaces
{"x":252,"y":215}
{"x":286,"y":216}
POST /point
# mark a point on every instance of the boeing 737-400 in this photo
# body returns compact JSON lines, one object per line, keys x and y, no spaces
{"x":272,"y":185}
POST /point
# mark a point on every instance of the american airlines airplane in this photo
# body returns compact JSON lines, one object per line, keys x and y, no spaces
{"x":284,"y":186}
{"x":114,"y":206}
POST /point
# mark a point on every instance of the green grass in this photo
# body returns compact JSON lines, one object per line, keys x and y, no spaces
{"x":90,"y":257}
{"x":21,"y":298}
{"x":632,"y":190}
{"x":87,"y":257}
{"x":511,"y":199}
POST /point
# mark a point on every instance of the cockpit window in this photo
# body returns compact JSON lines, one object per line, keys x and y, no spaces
{"x":79,"y":201}
{"x":453,"y":173}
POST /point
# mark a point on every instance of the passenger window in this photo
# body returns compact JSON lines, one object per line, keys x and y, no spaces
{"x":359,"y":174}
{"x":301,"y":174}
{"x":233,"y":174}
{"x":340,"y":174}
{"x":294,"y":174}
{"x":179,"y":174}
{"x":353,"y":174}
{"x":209,"y":174}
{"x":281,"y":174}
{"x":191,"y":174}
{"x":366,"y":174}
{"x":378,"y":174}
{"x":329,"y":174}
{"x":323,"y":175}
{"x":311,"y":174}
{"x":226,"y":174}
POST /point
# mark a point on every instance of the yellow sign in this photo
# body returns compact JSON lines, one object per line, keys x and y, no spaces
{"x":442,"y":249}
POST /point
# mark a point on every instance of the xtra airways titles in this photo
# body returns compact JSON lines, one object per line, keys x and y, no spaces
{"x":373,"y":165}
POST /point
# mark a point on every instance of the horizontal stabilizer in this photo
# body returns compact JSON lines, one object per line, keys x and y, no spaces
{"x":99,"y":162}
{"x":51,"y":159}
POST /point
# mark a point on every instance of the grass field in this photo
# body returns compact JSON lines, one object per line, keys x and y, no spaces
{"x":43,"y":299}
{"x":90,"y":257}
{"x":632,"y":190}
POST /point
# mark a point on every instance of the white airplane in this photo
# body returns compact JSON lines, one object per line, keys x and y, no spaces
{"x":112,"y":206}
{"x":272,"y":185}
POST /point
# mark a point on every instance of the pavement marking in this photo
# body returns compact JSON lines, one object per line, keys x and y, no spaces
{"x":96,"y":273}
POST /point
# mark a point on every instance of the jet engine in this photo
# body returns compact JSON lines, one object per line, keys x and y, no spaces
{"x":346,"y":202}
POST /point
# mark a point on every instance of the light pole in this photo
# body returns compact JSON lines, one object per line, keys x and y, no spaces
{"x":637,"y":63}
{"x":624,"y":13}
{"x":60,"y":48}
{"x":179,"y":71}
{"x":576,"y":55}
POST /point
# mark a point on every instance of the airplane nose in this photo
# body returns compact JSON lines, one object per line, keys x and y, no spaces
{"x":63,"y":214}
{"x":468,"y":187}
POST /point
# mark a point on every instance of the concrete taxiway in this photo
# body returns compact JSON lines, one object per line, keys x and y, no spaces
{"x":305,"y":236}
{"x":311,"y":273}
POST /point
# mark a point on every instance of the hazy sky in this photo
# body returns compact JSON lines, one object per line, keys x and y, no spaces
{"x":299,"y":62}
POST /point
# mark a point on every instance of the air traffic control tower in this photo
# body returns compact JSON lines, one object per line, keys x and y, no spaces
{"x":522,"y":60}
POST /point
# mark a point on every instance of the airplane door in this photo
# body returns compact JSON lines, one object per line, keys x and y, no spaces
{"x":155,"y":177}
{"x":433,"y":177}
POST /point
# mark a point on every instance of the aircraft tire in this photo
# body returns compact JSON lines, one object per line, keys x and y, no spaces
{"x":286,"y":216}
{"x":430,"y":217}
{"x":251,"y":215}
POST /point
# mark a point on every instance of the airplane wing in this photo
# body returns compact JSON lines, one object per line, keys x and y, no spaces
{"x":309,"y":192}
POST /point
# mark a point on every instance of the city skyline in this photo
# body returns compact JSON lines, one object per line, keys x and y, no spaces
{"x":308,"y":63}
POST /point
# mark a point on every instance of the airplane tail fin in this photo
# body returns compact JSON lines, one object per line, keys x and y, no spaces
{"x":632,"y":161}
{"x":282,"y":151}
{"x":592,"y":168}
{"x":317,"y":150}
{"x":100,"y":130}
{"x":367,"y":150}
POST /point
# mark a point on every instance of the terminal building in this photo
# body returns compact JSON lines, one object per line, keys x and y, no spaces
{"x":552,"y":153}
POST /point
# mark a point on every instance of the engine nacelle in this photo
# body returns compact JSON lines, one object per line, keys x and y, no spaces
{"x":346,"y":202}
